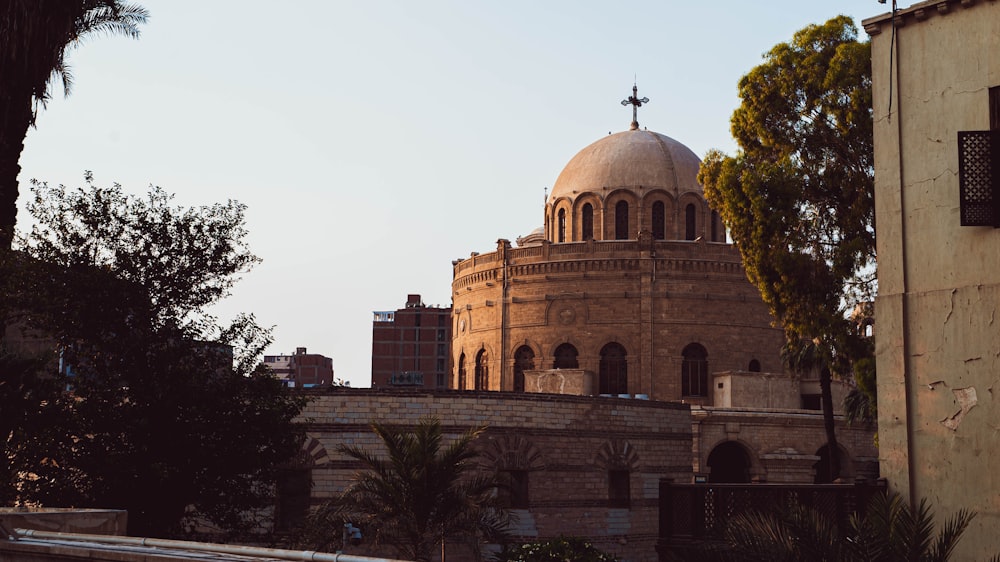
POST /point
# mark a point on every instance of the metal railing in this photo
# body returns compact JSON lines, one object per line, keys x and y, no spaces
{"x":691,"y":513}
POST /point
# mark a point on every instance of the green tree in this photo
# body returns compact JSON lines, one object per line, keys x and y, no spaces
{"x":423,"y":492}
{"x":166,"y":409}
{"x":35,"y":36}
{"x":888,"y":531}
{"x":798,"y":196}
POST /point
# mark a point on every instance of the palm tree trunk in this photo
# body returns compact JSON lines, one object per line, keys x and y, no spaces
{"x":833,"y":450}
{"x":15,"y":118}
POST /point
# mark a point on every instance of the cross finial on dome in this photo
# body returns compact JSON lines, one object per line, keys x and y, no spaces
{"x":635,"y":102}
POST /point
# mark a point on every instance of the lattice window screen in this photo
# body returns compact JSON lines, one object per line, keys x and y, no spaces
{"x":978,"y":175}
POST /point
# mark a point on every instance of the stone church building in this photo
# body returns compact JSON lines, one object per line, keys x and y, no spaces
{"x":630,"y":283}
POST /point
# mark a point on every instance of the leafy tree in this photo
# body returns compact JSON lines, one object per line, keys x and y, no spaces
{"x":422,"y":492}
{"x":166,"y":409}
{"x":35,"y":36}
{"x":888,"y":531}
{"x":798,"y":196}
{"x":555,"y":550}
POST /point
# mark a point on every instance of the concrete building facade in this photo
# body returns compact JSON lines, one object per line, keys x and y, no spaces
{"x":303,"y":369}
{"x":936,"y":92}
{"x":410,"y":346}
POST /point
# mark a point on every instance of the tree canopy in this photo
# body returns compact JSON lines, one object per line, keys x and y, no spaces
{"x":164,"y":409}
{"x":798,"y":197}
{"x":35,"y":36}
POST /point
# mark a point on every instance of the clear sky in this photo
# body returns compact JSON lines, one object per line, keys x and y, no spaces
{"x":376,"y":141}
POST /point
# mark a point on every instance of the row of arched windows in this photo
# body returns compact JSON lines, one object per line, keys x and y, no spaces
{"x":612,"y":373}
{"x":658,"y":223}
{"x":481,"y":370}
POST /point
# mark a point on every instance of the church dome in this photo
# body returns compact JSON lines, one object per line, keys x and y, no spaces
{"x":636,"y":159}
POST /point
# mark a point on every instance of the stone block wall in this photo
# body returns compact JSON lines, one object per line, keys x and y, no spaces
{"x":568,"y":445}
{"x":782,"y":445}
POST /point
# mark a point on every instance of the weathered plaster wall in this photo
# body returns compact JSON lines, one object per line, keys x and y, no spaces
{"x":937,"y":338}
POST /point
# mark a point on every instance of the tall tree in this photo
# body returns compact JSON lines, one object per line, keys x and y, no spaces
{"x":798,"y":196}
{"x":165,"y":409}
{"x":35,"y":36}
{"x":423,"y":492}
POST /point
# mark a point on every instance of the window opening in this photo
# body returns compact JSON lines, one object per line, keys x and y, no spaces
{"x":524,"y":360}
{"x":482,"y":370}
{"x":621,"y":220}
{"x":461,"y":372}
{"x":566,"y":357}
{"x":689,"y":218}
{"x":613,"y":377}
{"x":659,"y":221}
{"x":619,"y":488}
{"x":513,"y":490}
{"x":694,"y":371}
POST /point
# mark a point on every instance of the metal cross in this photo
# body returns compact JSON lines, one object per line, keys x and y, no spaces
{"x":635,"y":102}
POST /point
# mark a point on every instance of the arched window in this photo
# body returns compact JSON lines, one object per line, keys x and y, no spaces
{"x":613,"y":378}
{"x":754,"y":366}
{"x":621,"y":220}
{"x":524,"y":360}
{"x":715,"y":226}
{"x":689,"y":217}
{"x":588,"y":222}
{"x":562,"y":225}
{"x":482,"y":370}
{"x":461,"y":372}
{"x":659,"y":221}
{"x":694,"y":371}
{"x":566,"y":357}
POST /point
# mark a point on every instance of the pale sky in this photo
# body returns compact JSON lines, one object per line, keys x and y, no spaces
{"x":374,"y":142}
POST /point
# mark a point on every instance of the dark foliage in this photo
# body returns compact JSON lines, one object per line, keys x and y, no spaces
{"x":147,"y":404}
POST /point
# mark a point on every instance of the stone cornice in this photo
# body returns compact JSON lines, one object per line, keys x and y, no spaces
{"x":917,"y":13}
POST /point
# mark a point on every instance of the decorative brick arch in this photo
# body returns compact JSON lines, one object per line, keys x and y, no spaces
{"x":313,"y":453}
{"x":617,"y":454}
{"x":509,"y":452}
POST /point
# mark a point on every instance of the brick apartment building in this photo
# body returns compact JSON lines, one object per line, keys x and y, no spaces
{"x":301,"y":369}
{"x":411,"y":346}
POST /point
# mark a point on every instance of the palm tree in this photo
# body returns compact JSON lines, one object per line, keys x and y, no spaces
{"x":35,"y":36}
{"x":889,"y":531}
{"x":423,"y":493}
{"x":807,"y":356}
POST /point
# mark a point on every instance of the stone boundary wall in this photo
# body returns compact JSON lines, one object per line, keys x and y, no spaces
{"x":567,"y":444}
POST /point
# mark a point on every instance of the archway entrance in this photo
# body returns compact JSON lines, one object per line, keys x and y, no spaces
{"x":827,"y":472}
{"x":729,"y":463}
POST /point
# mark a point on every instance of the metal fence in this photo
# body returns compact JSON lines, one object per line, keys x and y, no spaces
{"x":693,"y":513}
